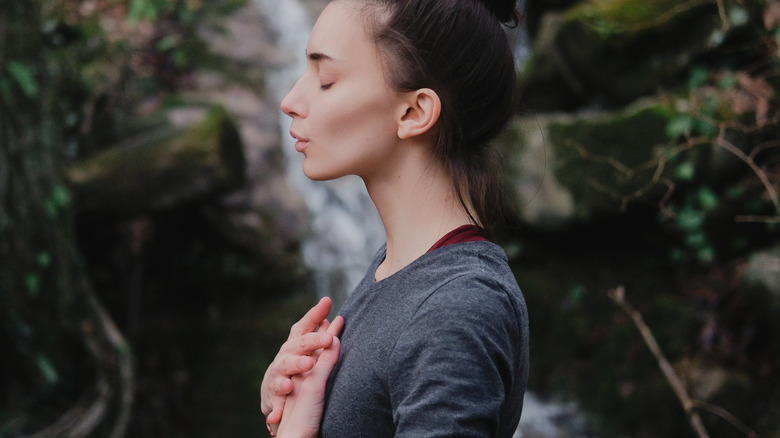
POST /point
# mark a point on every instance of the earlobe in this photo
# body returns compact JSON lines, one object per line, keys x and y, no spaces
{"x":421,"y":112}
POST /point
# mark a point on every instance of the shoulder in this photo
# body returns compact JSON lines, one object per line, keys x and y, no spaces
{"x":470,"y":289}
{"x":476,"y":277}
{"x":461,"y":360}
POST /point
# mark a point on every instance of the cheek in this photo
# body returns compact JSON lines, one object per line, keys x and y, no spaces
{"x":367,"y":118}
{"x":356,"y":112}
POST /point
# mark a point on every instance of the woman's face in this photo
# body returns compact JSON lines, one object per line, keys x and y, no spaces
{"x":344,"y":113}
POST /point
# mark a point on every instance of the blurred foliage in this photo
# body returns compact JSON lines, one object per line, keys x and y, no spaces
{"x":724,"y":154}
{"x":699,"y":206}
{"x":72,"y":76}
{"x":618,"y":17}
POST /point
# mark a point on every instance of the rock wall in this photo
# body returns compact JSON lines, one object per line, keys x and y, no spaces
{"x":645,"y":154}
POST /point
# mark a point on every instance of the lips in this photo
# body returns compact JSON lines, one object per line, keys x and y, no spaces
{"x":300,"y":142}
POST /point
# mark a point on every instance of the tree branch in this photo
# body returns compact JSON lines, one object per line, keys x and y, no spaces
{"x":724,"y":19}
{"x":618,"y":296}
{"x":726,"y":415}
{"x":770,"y":189}
{"x":114,"y":362}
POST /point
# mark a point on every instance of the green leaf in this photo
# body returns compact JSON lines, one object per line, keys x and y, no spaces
{"x":140,"y":10}
{"x":706,"y":254}
{"x":680,"y":125}
{"x":47,"y":370}
{"x":44,"y":259}
{"x":690,"y":219}
{"x":707,"y":198}
{"x":728,"y":82}
{"x":33,"y":284}
{"x":575,"y":295}
{"x":60,"y":196}
{"x":58,"y":199}
{"x":696,"y":239}
{"x":738,"y":16}
{"x":706,"y":128}
{"x":698,"y":77}
{"x":179,"y":58}
{"x":167,"y":42}
{"x":24,"y":77}
{"x":686,"y":171}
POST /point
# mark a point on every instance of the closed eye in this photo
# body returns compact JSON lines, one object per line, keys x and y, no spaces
{"x":326,"y":86}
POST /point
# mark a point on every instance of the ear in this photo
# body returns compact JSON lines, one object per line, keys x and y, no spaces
{"x":420,"y":113}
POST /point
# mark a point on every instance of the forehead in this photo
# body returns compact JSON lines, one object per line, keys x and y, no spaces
{"x":340,"y":32}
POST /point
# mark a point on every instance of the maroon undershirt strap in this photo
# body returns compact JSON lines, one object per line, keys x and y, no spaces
{"x":464,"y":233}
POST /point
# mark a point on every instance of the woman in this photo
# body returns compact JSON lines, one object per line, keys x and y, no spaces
{"x":407,"y":94}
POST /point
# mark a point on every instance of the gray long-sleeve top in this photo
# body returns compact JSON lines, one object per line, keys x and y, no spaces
{"x":438,"y":349}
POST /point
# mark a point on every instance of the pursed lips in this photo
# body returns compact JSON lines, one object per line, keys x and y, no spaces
{"x":300,"y":142}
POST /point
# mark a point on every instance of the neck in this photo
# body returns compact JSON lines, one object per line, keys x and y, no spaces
{"x":418,"y":205}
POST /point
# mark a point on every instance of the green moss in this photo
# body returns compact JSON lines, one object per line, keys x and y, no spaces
{"x":604,"y":162}
{"x":610,"y":17}
{"x":226,"y":7}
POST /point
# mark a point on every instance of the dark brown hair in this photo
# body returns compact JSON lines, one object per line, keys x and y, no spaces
{"x":459,"y":49}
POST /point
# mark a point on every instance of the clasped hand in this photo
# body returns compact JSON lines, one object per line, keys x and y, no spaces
{"x":293,"y":388}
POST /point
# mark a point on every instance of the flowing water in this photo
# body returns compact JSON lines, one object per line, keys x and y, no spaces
{"x":345,"y":229}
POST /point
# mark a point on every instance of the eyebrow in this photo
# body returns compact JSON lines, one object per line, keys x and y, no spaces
{"x":317,"y":56}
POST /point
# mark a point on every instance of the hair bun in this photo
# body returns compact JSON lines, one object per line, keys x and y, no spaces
{"x":505,"y":10}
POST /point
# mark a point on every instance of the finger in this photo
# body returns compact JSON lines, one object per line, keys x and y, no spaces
{"x":327,"y":360}
{"x":277,"y":376}
{"x":336,"y":326}
{"x":312,"y":318}
{"x":309,"y":343}
{"x":301,"y":358}
{"x":273,"y":392}
{"x":323,"y":326}
{"x":303,"y":364}
{"x":282,"y":386}
{"x":294,"y":357}
{"x":275,"y":417}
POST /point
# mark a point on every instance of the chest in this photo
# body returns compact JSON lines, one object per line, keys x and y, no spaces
{"x":358,"y":399}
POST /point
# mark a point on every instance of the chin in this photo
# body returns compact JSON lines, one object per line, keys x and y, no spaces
{"x":323,"y":170}
{"x":318,"y":176}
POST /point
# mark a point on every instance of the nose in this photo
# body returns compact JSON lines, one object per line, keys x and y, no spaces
{"x":292,"y":104}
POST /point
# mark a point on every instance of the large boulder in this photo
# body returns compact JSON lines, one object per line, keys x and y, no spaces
{"x":615,"y":51}
{"x":562,"y":166}
{"x":690,"y":158}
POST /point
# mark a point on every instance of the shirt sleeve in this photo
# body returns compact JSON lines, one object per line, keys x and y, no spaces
{"x":453,"y":366}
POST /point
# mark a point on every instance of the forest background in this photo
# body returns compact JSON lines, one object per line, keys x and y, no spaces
{"x":151,"y":245}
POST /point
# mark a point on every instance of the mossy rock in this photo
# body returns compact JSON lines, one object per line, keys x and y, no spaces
{"x":562,"y":167}
{"x":615,"y":51}
{"x":610,"y":160}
